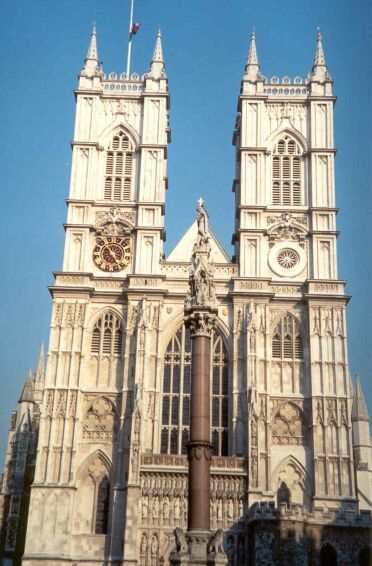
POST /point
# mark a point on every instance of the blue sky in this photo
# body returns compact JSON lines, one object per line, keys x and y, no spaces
{"x":42,"y":46}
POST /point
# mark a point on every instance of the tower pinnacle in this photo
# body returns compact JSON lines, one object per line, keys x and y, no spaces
{"x":40,"y":363}
{"x":91,"y":63}
{"x":252,"y":67}
{"x":359,"y":411}
{"x":319,"y":70}
{"x":27,"y":394}
{"x":92,"y":49}
{"x":157,"y":61}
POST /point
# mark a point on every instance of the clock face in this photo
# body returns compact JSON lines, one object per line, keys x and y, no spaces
{"x":112,"y":253}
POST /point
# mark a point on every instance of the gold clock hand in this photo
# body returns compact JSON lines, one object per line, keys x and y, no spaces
{"x":113,"y":255}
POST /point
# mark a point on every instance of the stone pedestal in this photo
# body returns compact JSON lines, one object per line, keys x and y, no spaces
{"x":199,"y":547}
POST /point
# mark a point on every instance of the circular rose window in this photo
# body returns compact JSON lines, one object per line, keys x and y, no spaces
{"x":288,"y":258}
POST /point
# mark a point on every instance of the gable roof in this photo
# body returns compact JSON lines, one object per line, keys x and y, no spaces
{"x":182,"y":252}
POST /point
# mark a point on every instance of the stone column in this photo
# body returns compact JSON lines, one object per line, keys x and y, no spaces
{"x":198,"y":546}
{"x":201,"y":323}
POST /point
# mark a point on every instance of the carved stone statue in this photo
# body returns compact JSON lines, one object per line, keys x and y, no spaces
{"x":154,"y":550}
{"x":181,"y":542}
{"x":202,"y":288}
{"x":215,"y":545}
{"x":202,"y":220}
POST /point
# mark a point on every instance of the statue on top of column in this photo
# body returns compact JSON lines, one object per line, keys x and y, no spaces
{"x":202,"y":220}
{"x":202,"y":289}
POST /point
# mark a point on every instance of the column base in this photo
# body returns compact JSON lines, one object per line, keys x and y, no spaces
{"x":199,"y":548}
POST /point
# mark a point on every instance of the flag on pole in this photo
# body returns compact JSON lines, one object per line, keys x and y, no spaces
{"x":134,"y":29}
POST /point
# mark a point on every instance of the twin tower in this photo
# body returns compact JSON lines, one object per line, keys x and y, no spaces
{"x":102,"y":437}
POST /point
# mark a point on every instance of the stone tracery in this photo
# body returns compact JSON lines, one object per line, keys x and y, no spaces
{"x":289,"y":426}
{"x":99,"y":421}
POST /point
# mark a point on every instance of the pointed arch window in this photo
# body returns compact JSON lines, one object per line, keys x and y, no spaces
{"x":107,"y":336}
{"x":93,"y":497}
{"x":119,"y":169}
{"x":287,"y":343}
{"x":286,"y":173}
{"x":176,"y":394}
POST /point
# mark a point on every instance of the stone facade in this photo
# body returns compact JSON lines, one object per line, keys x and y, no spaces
{"x":292,"y":453}
{"x":19,"y":469}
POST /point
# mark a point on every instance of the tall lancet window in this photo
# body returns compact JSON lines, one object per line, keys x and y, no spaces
{"x":287,"y":342}
{"x":119,"y":169}
{"x":176,"y":394}
{"x":286,"y":173}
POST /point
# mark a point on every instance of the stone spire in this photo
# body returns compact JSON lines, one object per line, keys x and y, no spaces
{"x":359,"y":410}
{"x":252,"y":67}
{"x":319,"y":70}
{"x":91,"y":63}
{"x":27,"y":394}
{"x":157,"y":61}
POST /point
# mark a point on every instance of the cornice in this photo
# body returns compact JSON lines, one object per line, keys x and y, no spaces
{"x":322,"y":150}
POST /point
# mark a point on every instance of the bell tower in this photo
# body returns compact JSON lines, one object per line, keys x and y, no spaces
{"x":288,"y":291}
{"x":115,"y":208}
{"x":97,"y":355}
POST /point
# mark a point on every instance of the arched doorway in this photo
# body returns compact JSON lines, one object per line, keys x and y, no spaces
{"x":328,"y":555}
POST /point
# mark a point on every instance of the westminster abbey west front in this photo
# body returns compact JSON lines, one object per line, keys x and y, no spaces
{"x":96,"y":464}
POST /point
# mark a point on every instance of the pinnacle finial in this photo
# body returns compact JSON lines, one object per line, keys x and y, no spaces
{"x":252,"y":66}
{"x":319,"y":58}
{"x":319,"y":70}
{"x":27,"y":394}
{"x":40,"y":364}
{"x":91,"y":63}
{"x":157,"y":61}
{"x":252,"y":54}
{"x":92,"y":49}
{"x":359,"y":411}
{"x":158,"y":51}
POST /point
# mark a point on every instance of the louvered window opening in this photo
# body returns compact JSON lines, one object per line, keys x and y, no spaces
{"x":107,"y":336}
{"x":286,"y":173}
{"x":102,"y":510}
{"x":176,"y":395}
{"x":287,"y":342}
{"x":119,"y":169}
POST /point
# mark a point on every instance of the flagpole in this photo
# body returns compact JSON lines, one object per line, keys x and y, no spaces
{"x":130,"y":38}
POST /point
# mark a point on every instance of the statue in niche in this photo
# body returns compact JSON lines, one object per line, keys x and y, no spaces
{"x":219,"y":510}
{"x":143,"y":550}
{"x":230,"y":510}
{"x":201,"y":287}
{"x":177,"y":509}
{"x":154,"y":550}
{"x":145,"y":509}
{"x":166,"y":509}
{"x":155,"y":508}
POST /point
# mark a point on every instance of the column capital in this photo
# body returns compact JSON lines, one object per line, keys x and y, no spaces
{"x":201,"y":321}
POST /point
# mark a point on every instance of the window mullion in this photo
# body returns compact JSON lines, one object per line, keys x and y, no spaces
{"x":180,"y":402}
